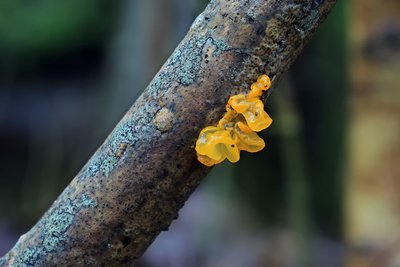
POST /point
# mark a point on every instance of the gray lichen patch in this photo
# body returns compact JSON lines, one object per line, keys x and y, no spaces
{"x":160,"y":83}
{"x":29,"y":257}
{"x":164,"y":120}
{"x":185,"y":62}
{"x":53,"y":232}
{"x":187,"y":58}
{"x":198,"y":22}
{"x":105,"y":162}
{"x":220,"y":46}
{"x":86,"y":202}
{"x":309,"y":22}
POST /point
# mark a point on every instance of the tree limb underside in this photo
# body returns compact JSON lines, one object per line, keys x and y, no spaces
{"x":134,"y":185}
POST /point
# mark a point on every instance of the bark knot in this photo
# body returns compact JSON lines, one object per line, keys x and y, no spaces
{"x":164,"y":119}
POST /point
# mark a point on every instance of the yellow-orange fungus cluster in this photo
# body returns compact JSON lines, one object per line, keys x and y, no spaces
{"x":237,"y":129}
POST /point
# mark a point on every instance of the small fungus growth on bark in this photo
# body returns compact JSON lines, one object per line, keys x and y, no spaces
{"x":237,"y":129}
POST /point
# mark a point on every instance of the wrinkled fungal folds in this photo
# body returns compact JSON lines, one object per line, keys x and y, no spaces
{"x":237,"y":130}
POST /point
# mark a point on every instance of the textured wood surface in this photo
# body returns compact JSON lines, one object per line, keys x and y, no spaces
{"x":134,"y":185}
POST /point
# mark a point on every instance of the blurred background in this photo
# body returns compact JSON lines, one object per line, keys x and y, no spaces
{"x":324,"y":192}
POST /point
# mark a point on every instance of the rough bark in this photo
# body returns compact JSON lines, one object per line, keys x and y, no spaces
{"x":134,"y":185}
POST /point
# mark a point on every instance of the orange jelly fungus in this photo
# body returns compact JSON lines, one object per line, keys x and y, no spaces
{"x":237,"y":129}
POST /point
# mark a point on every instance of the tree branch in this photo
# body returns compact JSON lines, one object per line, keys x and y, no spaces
{"x":134,"y":185}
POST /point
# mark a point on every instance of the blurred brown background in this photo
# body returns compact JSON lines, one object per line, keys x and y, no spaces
{"x":325,"y":191}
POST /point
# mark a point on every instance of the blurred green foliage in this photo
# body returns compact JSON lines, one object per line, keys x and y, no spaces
{"x":33,"y":30}
{"x":320,"y":79}
{"x":34,"y":26}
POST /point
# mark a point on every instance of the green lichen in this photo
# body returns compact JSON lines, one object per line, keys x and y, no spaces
{"x":108,"y":164}
{"x":187,"y":59}
{"x":56,"y":225}
{"x":123,"y":133}
{"x":309,"y":21}
{"x":86,"y":202}
{"x":188,"y":56}
{"x":220,"y":46}
{"x":53,"y":232}
{"x":108,"y":158}
{"x":29,"y":257}
{"x":159,"y":84}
